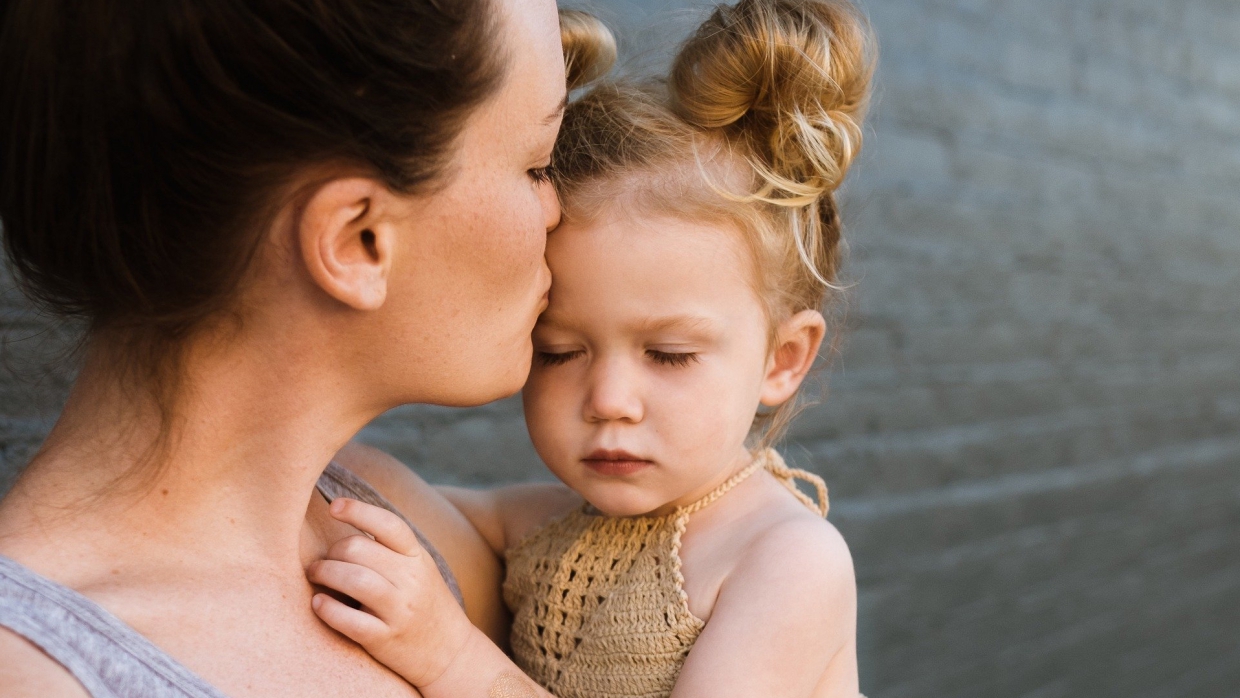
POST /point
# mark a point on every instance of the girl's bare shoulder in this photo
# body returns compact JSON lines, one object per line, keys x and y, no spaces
{"x":528,"y":507}
{"x":792,"y":541}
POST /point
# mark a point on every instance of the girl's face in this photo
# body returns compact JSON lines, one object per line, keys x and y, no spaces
{"x":649,"y":363}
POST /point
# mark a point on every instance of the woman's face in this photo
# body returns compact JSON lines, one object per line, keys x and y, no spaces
{"x":469,"y":278}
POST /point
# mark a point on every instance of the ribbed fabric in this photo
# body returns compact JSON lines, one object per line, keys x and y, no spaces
{"x":599,"y":606}
{"x":111,"y":659}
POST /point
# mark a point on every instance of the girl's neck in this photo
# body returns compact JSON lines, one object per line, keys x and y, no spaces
{"x":740,"y":460}
{"x":252,"y":432}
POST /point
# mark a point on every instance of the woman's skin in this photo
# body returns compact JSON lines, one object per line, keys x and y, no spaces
{"x":361,"y":300}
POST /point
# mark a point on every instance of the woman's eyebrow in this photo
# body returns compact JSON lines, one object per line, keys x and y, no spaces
{"x":559,"y":111}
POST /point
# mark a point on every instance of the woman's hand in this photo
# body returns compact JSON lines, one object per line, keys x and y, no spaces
{"x":408,"y":619}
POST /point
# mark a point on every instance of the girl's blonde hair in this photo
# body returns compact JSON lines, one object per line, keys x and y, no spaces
{"x":756,"y":127}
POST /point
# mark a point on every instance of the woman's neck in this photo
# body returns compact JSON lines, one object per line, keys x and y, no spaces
{"x":232,"y":481}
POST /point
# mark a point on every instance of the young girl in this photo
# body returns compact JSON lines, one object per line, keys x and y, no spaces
{"x":700,"y":240}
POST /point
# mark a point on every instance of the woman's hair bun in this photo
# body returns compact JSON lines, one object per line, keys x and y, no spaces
{"x":589,"y":47}
{"x":789,"y":81}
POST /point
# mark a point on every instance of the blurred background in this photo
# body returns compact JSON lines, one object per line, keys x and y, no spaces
{"x":1032,"y":434}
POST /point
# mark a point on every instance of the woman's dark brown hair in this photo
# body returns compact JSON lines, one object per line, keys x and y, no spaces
{"x":144,"y":143}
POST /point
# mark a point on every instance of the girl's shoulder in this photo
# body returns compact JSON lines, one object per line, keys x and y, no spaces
{"x":788,"y":597}
{"x":800,"y":545}
{"x":761,"y":538}
{"x":528,"y":508}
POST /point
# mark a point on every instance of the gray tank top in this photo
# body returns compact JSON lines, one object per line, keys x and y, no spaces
{"x":109,"y":658}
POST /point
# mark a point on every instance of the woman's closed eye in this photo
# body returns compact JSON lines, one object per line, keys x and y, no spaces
{"x":557,"y":358}
{"x":672,"y":358}
{"x":541,"y":175}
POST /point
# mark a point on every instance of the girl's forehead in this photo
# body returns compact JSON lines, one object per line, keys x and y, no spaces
{"x":643,"y":240}
{"x":639,"y":267}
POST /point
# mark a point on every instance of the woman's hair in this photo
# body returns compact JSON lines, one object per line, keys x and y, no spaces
{"x":145,"y":145}
{"x":756,"y":127}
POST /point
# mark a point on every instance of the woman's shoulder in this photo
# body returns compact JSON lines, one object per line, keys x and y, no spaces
{"x":26,"y":672}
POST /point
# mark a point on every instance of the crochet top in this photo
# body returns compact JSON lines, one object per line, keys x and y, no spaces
{"x":598,"y":602}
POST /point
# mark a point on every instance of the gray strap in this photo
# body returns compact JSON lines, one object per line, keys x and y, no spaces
{"x":109,"y":658}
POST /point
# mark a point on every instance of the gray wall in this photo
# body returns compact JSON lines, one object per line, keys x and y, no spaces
{"x":1033,"y":433}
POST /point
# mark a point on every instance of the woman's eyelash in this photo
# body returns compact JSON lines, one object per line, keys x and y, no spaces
{"x":668,"y":358}
{"x":541,"y":175}
{"x":547,"y":358}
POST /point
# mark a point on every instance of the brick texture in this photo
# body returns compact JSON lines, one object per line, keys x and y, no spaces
{"x":1033,"y":430}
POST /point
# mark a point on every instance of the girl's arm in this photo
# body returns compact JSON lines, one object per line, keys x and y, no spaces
{"x":505,"y":515}
{"x":784,"y":623}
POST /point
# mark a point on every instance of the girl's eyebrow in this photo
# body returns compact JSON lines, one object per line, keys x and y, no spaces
{"x":693,"y":324}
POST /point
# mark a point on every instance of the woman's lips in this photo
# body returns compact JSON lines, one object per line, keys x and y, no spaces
{"x":615,"y":463}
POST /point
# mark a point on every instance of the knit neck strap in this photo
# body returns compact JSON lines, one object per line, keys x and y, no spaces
{"x":723,"y":489}
{"x":770,"y":460}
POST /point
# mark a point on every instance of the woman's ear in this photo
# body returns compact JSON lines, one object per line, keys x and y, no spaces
{"x":344,"y":242}
{"x":797,"y":341}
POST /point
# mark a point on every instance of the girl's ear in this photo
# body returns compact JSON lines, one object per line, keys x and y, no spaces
{"x":797,"y":341}
{"x":345,"y":242}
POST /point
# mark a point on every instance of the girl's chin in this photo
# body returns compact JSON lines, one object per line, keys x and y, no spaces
{"x":625,"y":507}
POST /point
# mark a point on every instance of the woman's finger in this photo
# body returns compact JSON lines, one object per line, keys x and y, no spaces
{"x":361,"y":583}
{"x":386,"y":527}
{"x":359,"y":626}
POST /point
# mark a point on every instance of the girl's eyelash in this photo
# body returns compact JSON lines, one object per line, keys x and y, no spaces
{"x":547,"y":358}
{"x":669,"y":358}
{"x":541,"y":175}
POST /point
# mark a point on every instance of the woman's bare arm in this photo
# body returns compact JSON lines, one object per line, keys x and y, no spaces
{"x":26,"y":672}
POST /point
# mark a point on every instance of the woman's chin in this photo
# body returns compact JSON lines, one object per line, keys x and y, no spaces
{"x":501,"y":384}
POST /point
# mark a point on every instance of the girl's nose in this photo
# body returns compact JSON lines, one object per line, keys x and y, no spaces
{"x":613,"y":395}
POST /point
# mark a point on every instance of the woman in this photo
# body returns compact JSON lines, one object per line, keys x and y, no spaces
{"x":279,"y":219}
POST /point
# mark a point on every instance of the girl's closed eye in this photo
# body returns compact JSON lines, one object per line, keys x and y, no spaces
{"x":557,"y":358}
{"x":672,"y":358}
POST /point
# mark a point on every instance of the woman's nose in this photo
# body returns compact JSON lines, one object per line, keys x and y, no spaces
{"x":613,"y":395}
{"x":550,"y":201}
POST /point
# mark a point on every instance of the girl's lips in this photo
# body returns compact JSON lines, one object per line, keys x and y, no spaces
{"x":615,"y":463}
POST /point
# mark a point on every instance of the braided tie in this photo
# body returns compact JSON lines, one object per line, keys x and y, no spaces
{"x":789,"y":476}
{"x":722,"y":489}
{"x":771,"y":460}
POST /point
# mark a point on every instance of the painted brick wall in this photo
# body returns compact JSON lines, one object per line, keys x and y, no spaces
{"x":1033,"y":432}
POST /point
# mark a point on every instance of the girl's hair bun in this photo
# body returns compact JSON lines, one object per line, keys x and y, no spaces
{"x":788,"y":81}
{"x":589,"y":47}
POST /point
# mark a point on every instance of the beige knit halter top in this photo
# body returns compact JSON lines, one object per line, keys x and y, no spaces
{"x":599,"y":606}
